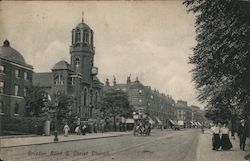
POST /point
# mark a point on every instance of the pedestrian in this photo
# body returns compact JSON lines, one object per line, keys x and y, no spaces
{"x":225,"y":141}
{"x":215,"y":130}
{"x":78,"y":130}
{"x":83,"y":129}
{"x":242,"y":133}
{"x":66,"y":130}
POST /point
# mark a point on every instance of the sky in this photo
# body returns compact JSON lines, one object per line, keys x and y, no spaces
{"x":151,"y":40}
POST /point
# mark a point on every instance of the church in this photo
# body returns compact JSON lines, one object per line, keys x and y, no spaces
{"x":77,"y":78}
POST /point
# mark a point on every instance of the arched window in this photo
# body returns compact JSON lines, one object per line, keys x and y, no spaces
{"x":85,"y":97}
{"x":91,"y":97}
{"x":96,"y":96}
{"x":1,"y":107}
{"x":77,"y":62}
{"x":86,"y":37}
{"x":78,"y":35}
{"x":16,"y":108}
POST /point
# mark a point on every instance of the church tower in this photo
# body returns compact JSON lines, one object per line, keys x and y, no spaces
{"x":82,"y":51}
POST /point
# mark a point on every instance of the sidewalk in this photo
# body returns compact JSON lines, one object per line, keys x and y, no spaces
{"x":205,"y":152}
{"x":37,"y":140}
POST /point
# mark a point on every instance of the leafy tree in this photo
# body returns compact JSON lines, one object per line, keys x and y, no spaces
{"x":114,"y":103}
{"x":35,"y":101}
{"x":60,"y":105}
{"x":222,"y":55}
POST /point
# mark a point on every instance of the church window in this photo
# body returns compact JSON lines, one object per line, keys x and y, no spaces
{"x":86,"y":37}
{"x":1,"y":107}
{"x":85,"y":97}
{"x":1,"y":87}
{"x":77,"y":62}
{"x":96,"y":96}
{"x":58,"y":79}
{"x":16,"y":110}
{"x":78,"y":36}
{"x":91,"y":97}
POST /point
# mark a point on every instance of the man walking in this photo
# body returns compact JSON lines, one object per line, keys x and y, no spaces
{"x":242,"y":133}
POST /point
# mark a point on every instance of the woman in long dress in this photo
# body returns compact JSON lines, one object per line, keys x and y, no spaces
{"x":225,"y":141}
{"x":216,"y":137}
{"x":66,"y":130}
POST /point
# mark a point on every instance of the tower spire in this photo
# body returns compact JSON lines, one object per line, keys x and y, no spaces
{"x":82,"y":16}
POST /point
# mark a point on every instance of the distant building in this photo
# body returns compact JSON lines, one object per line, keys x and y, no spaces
{"x":144,"y":99}
{"x":77,"y":79}
{"x":15,"y":78}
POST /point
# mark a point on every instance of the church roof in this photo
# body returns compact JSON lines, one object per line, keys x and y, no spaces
{"x":42,"y":79}
{"x":82,"y":25}
{"x":8,"y":53}
{"x":61,"y":65}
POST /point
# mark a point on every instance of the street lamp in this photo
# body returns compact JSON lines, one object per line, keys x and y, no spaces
{"x":56,"y":114}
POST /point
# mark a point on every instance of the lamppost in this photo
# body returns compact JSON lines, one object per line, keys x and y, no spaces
{"x":56,"y":114}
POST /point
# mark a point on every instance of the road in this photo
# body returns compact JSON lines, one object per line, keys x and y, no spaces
{"x":160,"y":146}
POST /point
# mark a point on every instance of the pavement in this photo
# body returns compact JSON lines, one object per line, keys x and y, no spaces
{"x":205,"y":152}
{"x":181,"y":145}
{"x":6,"y":142}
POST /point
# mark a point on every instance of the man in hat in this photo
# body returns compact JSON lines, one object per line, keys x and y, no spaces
{"x":242,"y":133}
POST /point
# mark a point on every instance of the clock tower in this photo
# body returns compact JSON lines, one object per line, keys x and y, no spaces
{"x":82,"y":51}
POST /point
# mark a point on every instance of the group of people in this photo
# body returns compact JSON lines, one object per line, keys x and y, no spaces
{"x":80,"y":129}
{"x":221,"y":139}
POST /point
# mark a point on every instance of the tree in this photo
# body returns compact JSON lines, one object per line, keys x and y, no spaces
{"x":114,"y":103}
{"x":62,"y":109}
{"x":35,"y":101}
{"x":222,"y":55}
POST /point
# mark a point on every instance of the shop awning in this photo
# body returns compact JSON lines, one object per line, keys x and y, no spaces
{"x":172,"y":122}
{"x":192,"y":122}
{"x":158,"y":120}
{"x":130,"y":121}
{"x":151,"y":121}
{"x":180,"y":122}
{"x":199,"y":123}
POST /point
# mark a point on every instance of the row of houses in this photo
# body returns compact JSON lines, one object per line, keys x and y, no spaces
{"x":162,"y":108}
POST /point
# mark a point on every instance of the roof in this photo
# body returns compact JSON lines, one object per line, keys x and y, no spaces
{"x":82,"y":25}
{"x":8,"y":53}
{"x":61,"y":65}
{"x":43,"y":79}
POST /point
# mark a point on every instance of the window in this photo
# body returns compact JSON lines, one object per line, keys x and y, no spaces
{"x":16,"y":109}
{"x":140,"y":100}
{"x":1,"y":69}
{"x":25,"y":76}
{"x":85,"y":97}
{"x":71,"y":81}
{"x":140,"y":91}
{"x":96,"y":96}
{"x":58,"y":79}
{"x":77,"y":62}
{"x":1,"y":107}
{"x":17,"y":73}
{"x":78,"y":36}
{"x":91,"y":97}
{"x":16,"y":90}
{"x":24,"y":92}
{"x":86,"y":37}
{"x":1,"y":87}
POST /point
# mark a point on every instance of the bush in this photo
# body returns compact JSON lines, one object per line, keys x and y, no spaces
{"x":29,"y":125}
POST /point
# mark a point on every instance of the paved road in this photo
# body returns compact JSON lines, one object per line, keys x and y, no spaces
{"x":160,"y":146}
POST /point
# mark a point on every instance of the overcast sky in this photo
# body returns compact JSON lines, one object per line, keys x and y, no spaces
{"x":151,"y":40}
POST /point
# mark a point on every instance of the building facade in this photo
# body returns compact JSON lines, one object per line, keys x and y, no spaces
{"x":15,"y":78}
{"x":77,"y":79}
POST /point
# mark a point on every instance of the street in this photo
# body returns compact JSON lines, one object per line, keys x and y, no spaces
{"x":161,"y":145}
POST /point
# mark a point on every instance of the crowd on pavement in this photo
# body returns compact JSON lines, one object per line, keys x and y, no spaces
{"x":220,"y":138}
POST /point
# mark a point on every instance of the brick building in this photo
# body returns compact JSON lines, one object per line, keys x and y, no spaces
{"x":15,"y":78}
{"x":77,"y":79}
